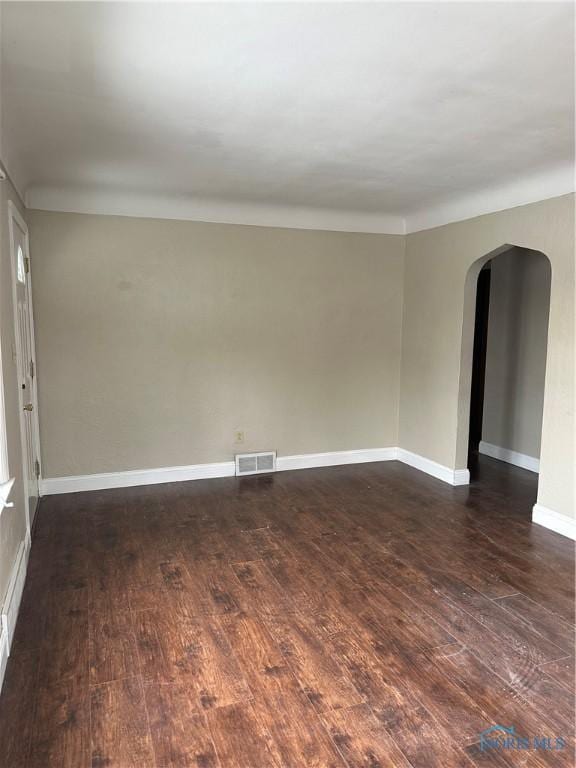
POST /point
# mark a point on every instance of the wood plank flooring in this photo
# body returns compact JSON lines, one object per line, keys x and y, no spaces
{"x":365,"y":616}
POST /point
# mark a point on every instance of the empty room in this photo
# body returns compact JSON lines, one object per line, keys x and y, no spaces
{"x":287,"y":373}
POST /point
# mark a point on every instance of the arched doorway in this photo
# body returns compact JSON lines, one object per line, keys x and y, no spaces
{"x":508,"y":364}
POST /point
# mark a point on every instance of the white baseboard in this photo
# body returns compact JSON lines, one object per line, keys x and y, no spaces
{"x":104,"y":480}
{"x":335,"y":458}
{"x":448,"y":475}
{"x":547,"y":518}
{"x":4,"y":652}
{"x":98,"y":482}
{"x":512,"y":457}
{"x":11,"y":604}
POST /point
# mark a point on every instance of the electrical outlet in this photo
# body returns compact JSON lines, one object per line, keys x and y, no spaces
{"x":239,"y":437}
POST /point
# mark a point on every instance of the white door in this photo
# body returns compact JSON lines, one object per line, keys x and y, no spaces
{"x":25,"y":359}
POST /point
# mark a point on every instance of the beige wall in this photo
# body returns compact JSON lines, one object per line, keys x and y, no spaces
{"x":441,"y":268}
{"x":516,"y":350}
{"x":158,"y":340}
{"x":12,"y":519}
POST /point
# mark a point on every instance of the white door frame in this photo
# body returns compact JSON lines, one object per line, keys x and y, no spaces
{"x":14,"y":216}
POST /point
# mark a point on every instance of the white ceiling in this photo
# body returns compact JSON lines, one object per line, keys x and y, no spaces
{"x":353,"y":115}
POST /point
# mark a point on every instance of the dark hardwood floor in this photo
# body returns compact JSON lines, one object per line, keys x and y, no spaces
{"x":366,"y":616}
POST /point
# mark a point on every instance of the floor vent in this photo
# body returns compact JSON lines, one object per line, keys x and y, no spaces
{"x":255,"y":463}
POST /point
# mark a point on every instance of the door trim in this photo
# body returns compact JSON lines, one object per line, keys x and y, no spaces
{"x":15,"y":216}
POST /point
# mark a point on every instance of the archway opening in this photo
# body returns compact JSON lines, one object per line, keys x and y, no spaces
{"x":508,"y":366}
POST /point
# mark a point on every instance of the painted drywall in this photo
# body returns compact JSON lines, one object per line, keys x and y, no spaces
{"x":12,"y":519}
{"x":441,"y":269}
{"x":157,"y":341}
{"x":516,"y":350}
